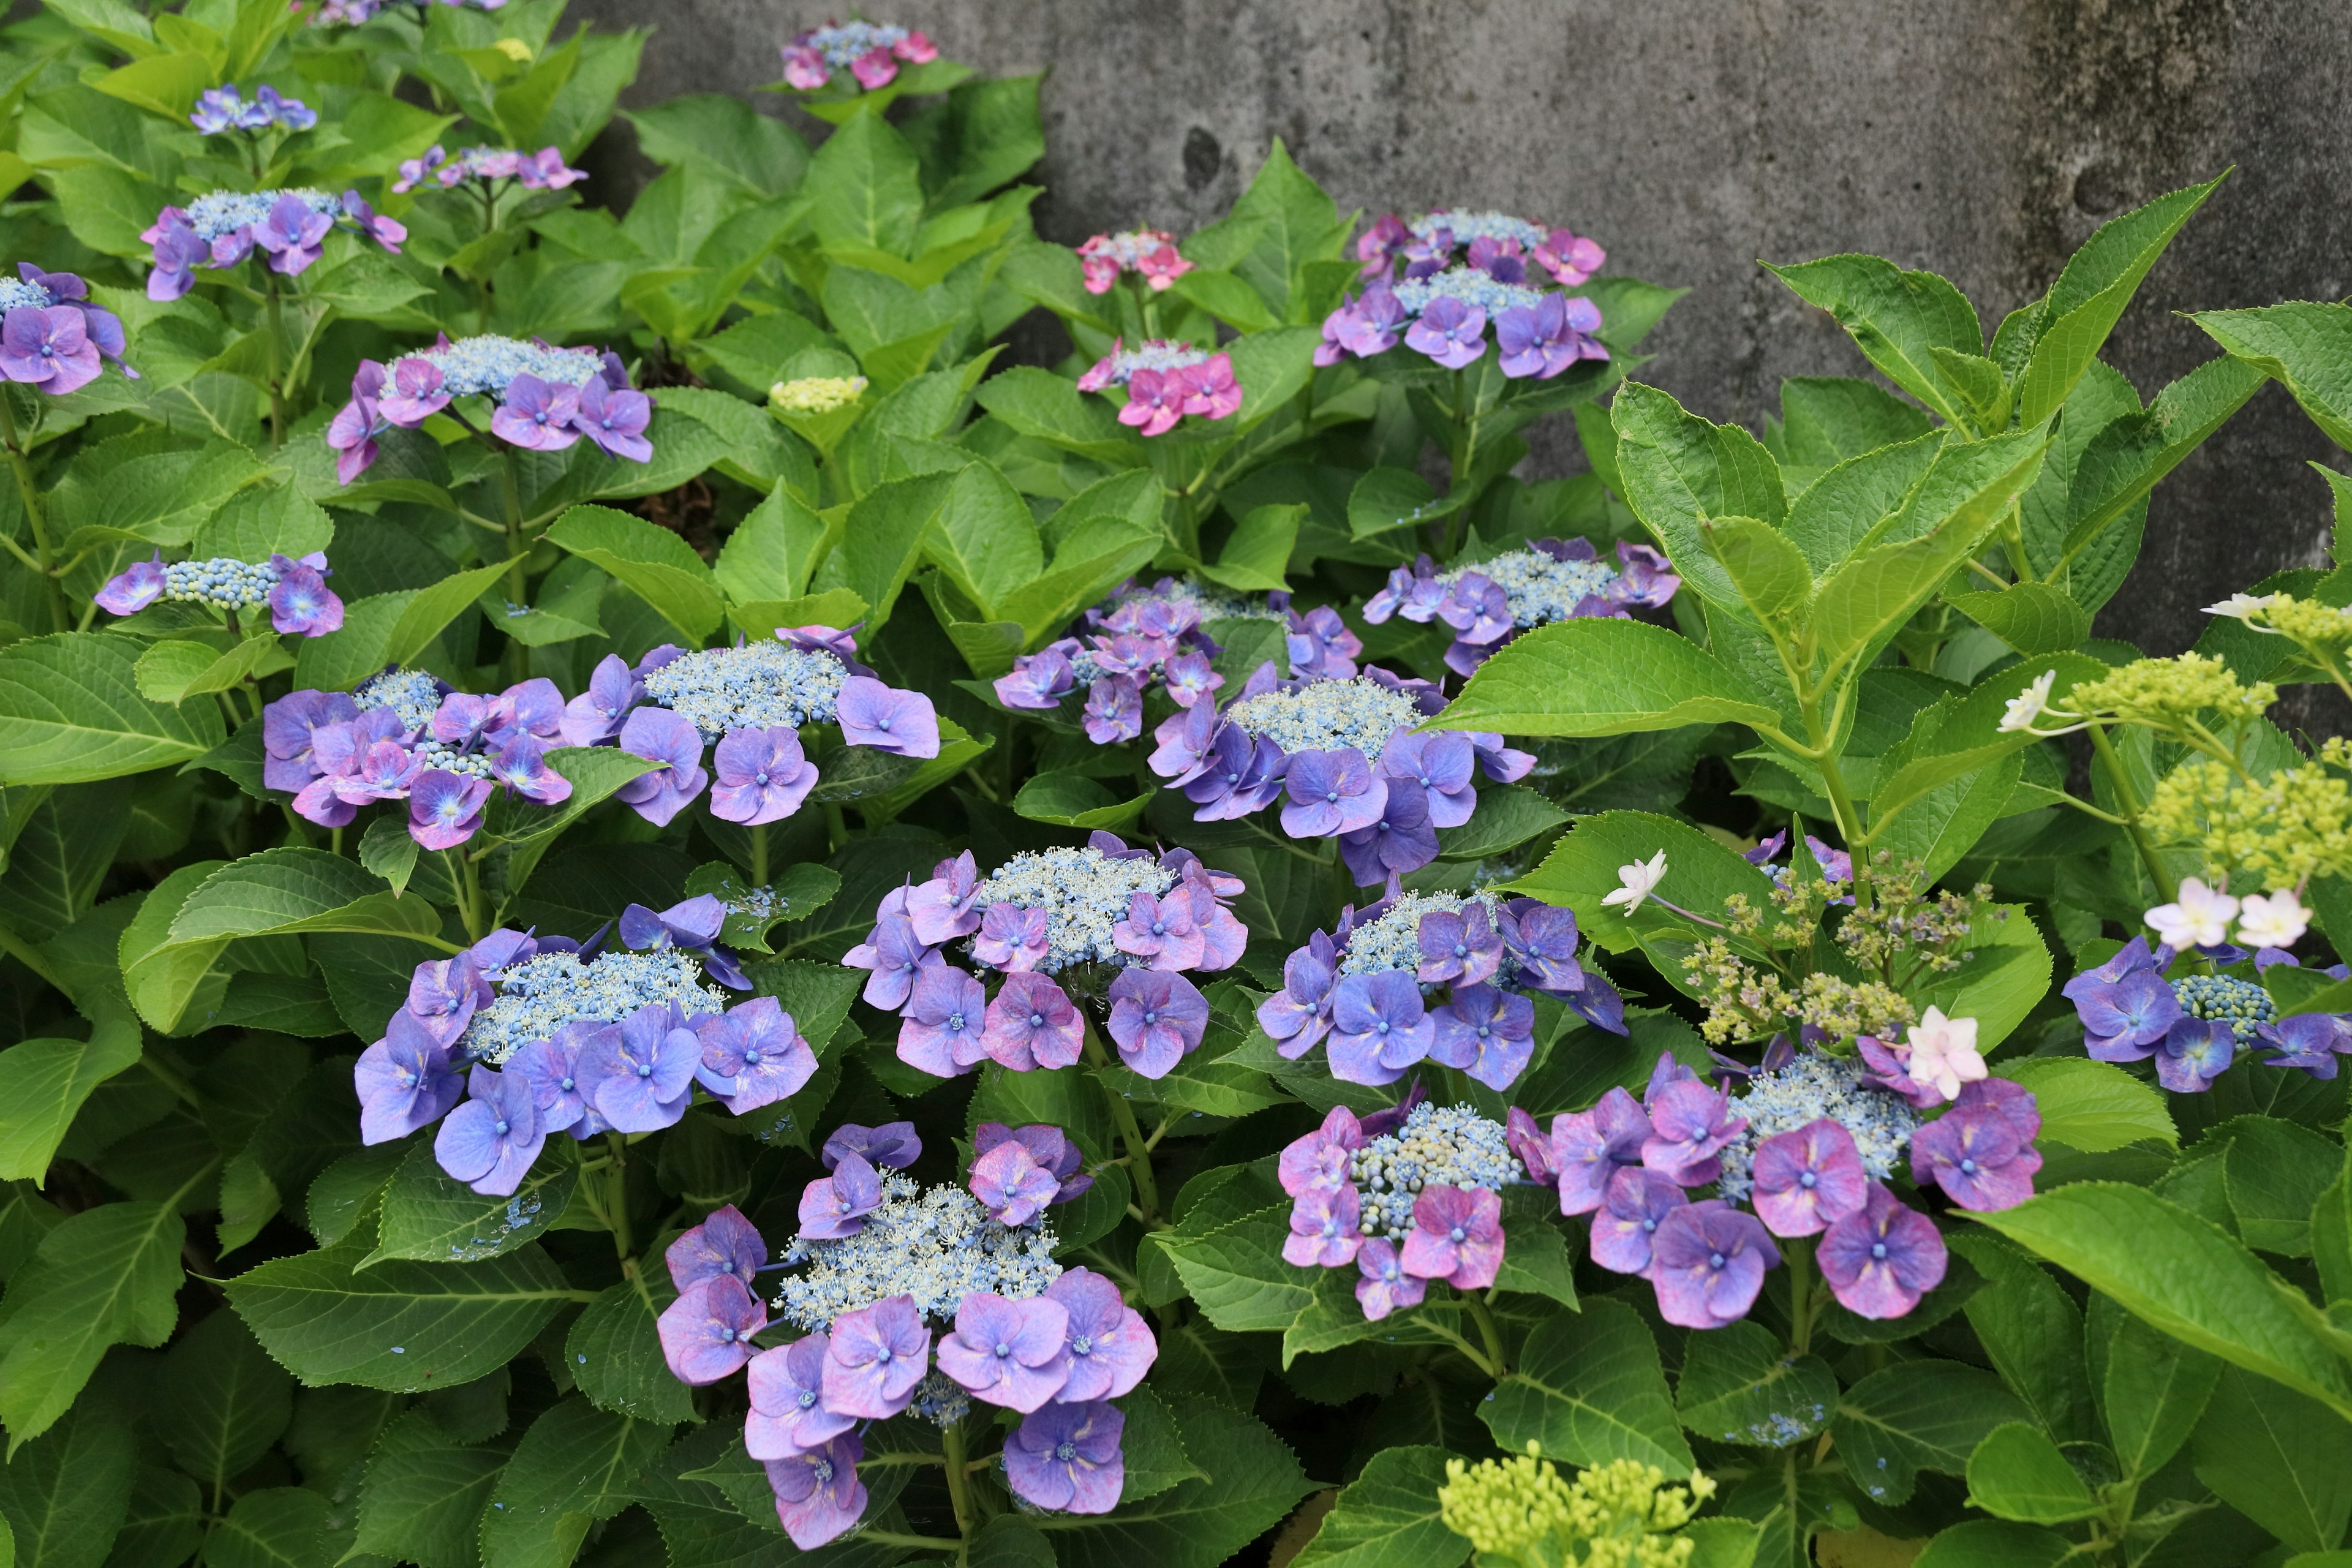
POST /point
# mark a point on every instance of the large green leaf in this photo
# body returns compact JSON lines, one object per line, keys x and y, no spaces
{"x":865,"y":187}
{"x":1601,"y":676}
{"x":425,"y":1494}
{"x":1589,"y":1387}
{"x":1897,"y":319}
{"x":106,"y":1276}
{"x":277,"y":1527}
{"x":883,"y":539}
{"x":45,"y":1083}
{"x":1387,"y":1518}
{"x":1252,"y":1482}
{"x":654,"y":564}
{"x":223,"y":1402}
{"x":572,"y":1467}
{"x":2018,"y":1473}
{"x":2091,"y":1106}
{"x":1583,"y":868}
{"x":290,"y":890}
{"x":2302,"y":346}
{"x":2033,"y":1334}
{"x":613,"y":1351}
{"x":1738,"y":1385}
{"x":984,"y":539}
{"x":1920,"y":1416}
{"x":2152,"y":1388}
{"x":64,"y":1495}
{"x":1236,"y":1275}
{"x":430,"y":1216}
{"x":71,"y":710}
{"x":2284,"y":1461}
{"x":1681,"y":472}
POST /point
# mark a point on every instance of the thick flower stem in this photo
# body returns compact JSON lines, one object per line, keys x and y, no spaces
{"x":276,"y":361}
{"x":517,"y":590}
{"x":616,"y":1197}
{"x":2129,"y":799}
{"x":1488,"y":1332}
{"x":1849,"y":820}
{"x":959,"y":1482}
{"x":1802,"y":1295}
{"x":466,"y":884}
{"x":1130,"y":1131}
{"x":31,"y":495}
{"x":759,"y":855}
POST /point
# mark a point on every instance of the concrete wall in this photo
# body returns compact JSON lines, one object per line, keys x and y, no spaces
{"x":1984,"y":140}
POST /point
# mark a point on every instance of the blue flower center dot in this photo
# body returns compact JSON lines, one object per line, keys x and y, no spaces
{"x":1037,"y":1020}
{"x":1003,"y":1350}
{"x":1715,"y":1261}
{"x":1065,"y":1451}
{"x":645,"y":1069}
{"x":500,"y":1128}
{"x":1967,"y":1167}
{"x":1878,"y":1250}
{"x":1807,"y":1179}
{"x":1458,"y":1234}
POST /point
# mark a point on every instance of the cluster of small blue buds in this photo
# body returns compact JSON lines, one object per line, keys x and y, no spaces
{"x":232,"y":584}
{"x":1541,"y":588}
{"x":1812,"y":1087}
{"x":845,"y":42}
{"x":1213,"y":603}
{"x":941,"y":1400}
{"x":1471,"y":285}
{"x":472,"y":367}
{"x":17,"y":295}
{"x":938,"y":1246}
{"x":1083,"y":893}
{"x":543,"y":993}
{"x":450,"y":759}
{"x":1393,"y":940}
{"x":218,"y":213}
{"x":1466,"y":226}
{"x":1328,"y":716}
{"x":1438,"y":1146}
{"x":761,"y":903}
{"x":2241,"y":1001}
{"x":1153,"y":353}
{"x":413,"y":694}
{"x":759,"y":686}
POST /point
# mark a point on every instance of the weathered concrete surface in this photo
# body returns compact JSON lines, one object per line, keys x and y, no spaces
{"x":1693,"y":137}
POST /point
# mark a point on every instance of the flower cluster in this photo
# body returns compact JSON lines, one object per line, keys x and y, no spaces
{"x":2200,"y":917}
{"x":813,"y":394}
{"x":1407,"y":1196}
{"x":2195,"y":1026}
{"x":403,"y":735}
{"x":1079,"y":914}
{"x":546,"y":398}
{"x":296,"y":591}
{"x":2163,"y":693}
{"x":542,"y":171}
{"x":1438,"y":303}
{"x":1165,"y":380}
{"x":2283,"y":829}
{"x":1364,"y":990}
{"x":1149,"y":254}
{"x":872,"y":52}
{"x":223,"y":227}
{"x":1810,"y":1143}
{"x":51,"y":336}
{"x":220,"y":108}
{"x":558,"y":1038}
{"x":1140,"y":639}
{"x":353,"y":12}
{"x":1619,"y":1515}
{"x":750,"y":699}
{"x":1491,"y":603}
{"x":1345,"y":753}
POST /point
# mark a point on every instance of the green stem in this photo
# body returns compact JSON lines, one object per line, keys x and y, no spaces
{"x":31,"y":495}
{"x":616,"y":1197}
{"x":1801,"y":1295}
{"x":1488,"y":1332}
{"x":277,"y":350}
{"x":759,"y":855}
{"x":463,"y":883}
{"x":911,"y":1542}
{"x":2130,"y":798}
{"x":518,"y":591}
{"x":1470,"y":1352}
{"x":163,"y":1073}
{"x":1130,"y":1132}
{"x":959,"y":1483}
{"x":1849,"y":820}
{"x":837,"y":826}
{"x":18,"y":948}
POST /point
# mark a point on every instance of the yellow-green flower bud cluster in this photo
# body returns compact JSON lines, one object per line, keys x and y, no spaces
{"x":1930,"y":930}
{"x":1520,"y":1512}
{"x":2306,"y":621}
{"x":2166,"y":692}
{"x":2277,"y":832}
{"x":813,"y":394}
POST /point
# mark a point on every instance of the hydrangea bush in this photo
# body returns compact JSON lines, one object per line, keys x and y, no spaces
{"x":662,"y":908}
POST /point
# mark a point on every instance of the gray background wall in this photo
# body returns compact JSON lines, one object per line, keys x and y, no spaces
{"x":1984,"y":140}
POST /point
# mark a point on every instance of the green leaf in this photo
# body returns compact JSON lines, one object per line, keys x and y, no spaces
{"x":1601,"y":676}
{"x":652,"y":563}
{"x":865,"y":187}
{"x":2096,"y":1107}
{"x":2276,"y":1172}
{"x":407,"y":1327}
{"x":984,"y":538}
{"x":594,"y":773}
{"x":2018,"y":1473}
{"x":284,"y":891}
{"x":433,"y":1217}
{"x":2031,"y":1331}
{"x":1826,"y":419}
{"x":2152,"y":1388}
{"x":277,"y":1527}
{"x":2126,"y":459}
{"x":164,"y":982}
{"x":1252,"y":1480}
{"x":1589,"y":1389}
{"x":2182,"y":1274}
{"x":2284,"y":1461}
{"x":1766,"y":569}
{"x":71,"y":710}
{"x":1582,"y":868}
{"x":1154,"y":1447}
{"x":1236,"y":1275}
{"x":1681,"y":472}
{"x":1074,"y":800}
{"x":105,"y":1277}
{"x":1897,"y":319}
{"x":884,"y":538}
{"x":1996,"y":1543}
{"x":1039,"y":404}
{"x":772,"y":551}
{"x":574,"y":1467}
{"x":1387,"y":1518}
{"x":223,"y":1402}
{"x":164,"y":1528}
{"x":1849,"y":502}
{"x":1919,"y":1415}
{"x":2301,"y":346}
{"x":613,"y":1353}
{"x":389,"y":850}
{"x":425,"y":1494}
{"x":1291,"y":222}
{"x":45,"y":1083}
{"x":1257,"y":555}
{"x":723,"y":136}
{"x":1507,"y":817}
{"x":2083,"y":306}
{"x":1394,"y":497}
{"x":2034,"y":618}
{"x":63,"y":1497}
{"x":1738,"y":1386}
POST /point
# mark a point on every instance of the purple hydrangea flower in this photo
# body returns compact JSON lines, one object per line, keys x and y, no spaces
{"x":596,"y":714}
{"x":1589,"y":1147}
{"x":2309,"y":1042}
{"x":1541,"y":940}
{"x":1807,"y":1179}
{"x":878,"y":1355}
{"x":1032,"y":1024}
{"x":1323,"y":1228}
{"x":1450,"y":332}
{"x":1037,"y":681}
{"x":1322,"y":646}
{"x":788,"y":1417}
{"x":818,"y":1495}
{"x":489,"y":1141}
{"x":724,"y":1243}
{"x":1161,"y":930}
{"x":1300,"y":1013}
{"x":134,"y":589}
{"x":1187,"y":739}
{"x":615,"y":418}
{"x":1110,"y":1347}
{"x":1486,"y":1033}
{"x":1332,"y":792}
{"x":1400,"y":839}
{"x":1881,"y":1258}
{"x":643,"y":1068}
{"x":1066,"y":1457}
{"x":406,"y":1081}
{"x":893,"y":1144}
{"x":897,"y":956}
{"x":835,"y":1207}
{"x":753,"y":1056}
{"x":1461,"y":946}
{"x":416,"y":392}
{"x":1189,"y":677}
{"x":1690,"y":1126}
{"x":1011,"y":938}
{"x":2193,"y":1052}
{"x":658,"y":735}
{"x":1380,"y":1027}
{"x":1114,"y":711}
{"x":1456,"y":1236}
{"x":1975,"y":1153}
{"x":1011,"y":1184}
{"x":48,"y":348}
{"x":903,"y":723}
{"x":1320,"y":1157}
{"x":1384,"y":1286}
{"x":762,"y":775}
{"x":1053,"y":1150}
{"x":692,"y":923}
{"x":705,"y":1333}
{"x":536,"y":416}
{"x":1442,"y":765}
{"x":1006,"y":1353}
{"x":301,"y":602}
{"x":941,"y":909}
{"x":1240,"y":775}
{"x":292,"y":233}
{"x":445,"y":809}
{"x":521,"y":767}
{"x":178,"y":251}
{"x":1708,"y":1262}
{"x":1636,"y":1204}
{"x":940,"y":1030}
{"x":1156,"y":1019}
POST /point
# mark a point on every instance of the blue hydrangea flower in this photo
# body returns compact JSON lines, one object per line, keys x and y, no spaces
{"x":937,"y":1246}
{"x":1438,"y":1145}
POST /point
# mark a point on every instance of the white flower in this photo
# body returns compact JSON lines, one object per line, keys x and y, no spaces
{"x":2278,"y":921}
{"x":2238,"y":607}
{"x":1641,"y":879}
{"x":2027,"y":705}
{"x":1943,"y":1053}
{"x":2202,"y":918}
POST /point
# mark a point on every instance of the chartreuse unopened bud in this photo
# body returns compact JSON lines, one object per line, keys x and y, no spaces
{"x":813,"y":394}
{"x":1519,"y":1513}
{"x":2164,"y":692}
{"x":2278,"y":831}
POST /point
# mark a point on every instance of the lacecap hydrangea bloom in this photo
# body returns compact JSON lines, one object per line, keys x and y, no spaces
{"x":222,"y":228}
{"x":223,"y":108}
{"x":1343,"y":755}
{"x":296,"y":591}
{"x":870,"y":51}
{"x":1404,"y":1197}
{"x":2192,"y":1028}
{"x":1435,"y":285}
{"x":1364,"y":992}
{"x":1150,"y":255}
{"x":554,"y":1037}
{"x":749,"y":702}
{"x":406,"y":735}
{"x":542,"y":171}
{"x":1165,"y":380}
{"x":545,"y":398}
{"x":1140,"y":641}
{"x":1494,"y":601}
{"x":915,"y":1299}
{"x":1113,"y":924}
{"x":51,"y":336}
